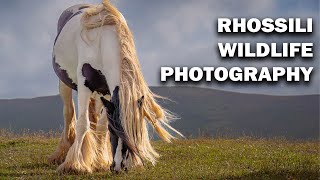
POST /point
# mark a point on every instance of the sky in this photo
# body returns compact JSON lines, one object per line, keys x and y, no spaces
{"x":167,"y":33}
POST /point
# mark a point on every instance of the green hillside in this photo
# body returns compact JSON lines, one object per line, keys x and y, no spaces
{"x":245,"y":158}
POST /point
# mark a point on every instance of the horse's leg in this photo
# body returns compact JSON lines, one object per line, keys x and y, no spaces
{"x":82,"y":154}
{"x":68,"y":133}
{"x":94,"y":112}
{"x":103,"y":139}
{"x":99,"y":123}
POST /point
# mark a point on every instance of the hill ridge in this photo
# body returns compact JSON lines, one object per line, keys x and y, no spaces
{"x":200,"y":109}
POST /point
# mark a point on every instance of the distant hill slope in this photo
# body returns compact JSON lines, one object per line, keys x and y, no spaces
{"x":201,"y":110}
{"x":41,"y":113}
{"x":250,"y":114}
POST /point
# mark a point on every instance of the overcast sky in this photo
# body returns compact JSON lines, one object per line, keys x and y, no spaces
{"x":167,"y":33}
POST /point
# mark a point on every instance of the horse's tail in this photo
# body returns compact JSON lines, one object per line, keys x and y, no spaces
{"x":133,"y":86}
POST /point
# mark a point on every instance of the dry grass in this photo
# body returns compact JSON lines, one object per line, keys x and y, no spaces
{"x":24,"y":157}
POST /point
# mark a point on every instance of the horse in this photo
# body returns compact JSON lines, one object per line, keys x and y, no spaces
{"x":94,"y":53}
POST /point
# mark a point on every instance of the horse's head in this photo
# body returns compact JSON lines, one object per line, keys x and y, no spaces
{"x":120,"y":153}
{"x":121,"y":147}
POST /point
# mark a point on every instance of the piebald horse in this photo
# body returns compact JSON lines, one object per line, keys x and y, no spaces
{"x":94,"y":53}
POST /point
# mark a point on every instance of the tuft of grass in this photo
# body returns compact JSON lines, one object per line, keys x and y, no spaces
{"x":25,"y":157}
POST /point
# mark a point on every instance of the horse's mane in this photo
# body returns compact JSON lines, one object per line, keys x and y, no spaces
{"x":132,"y":85}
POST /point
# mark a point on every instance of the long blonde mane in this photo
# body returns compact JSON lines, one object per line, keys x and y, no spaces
{"x":132,"y":85}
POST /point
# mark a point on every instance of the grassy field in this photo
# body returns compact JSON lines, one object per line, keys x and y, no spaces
{"x":245,"y":158}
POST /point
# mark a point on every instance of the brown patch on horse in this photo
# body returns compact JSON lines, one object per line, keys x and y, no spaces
{"x":93,"y":116}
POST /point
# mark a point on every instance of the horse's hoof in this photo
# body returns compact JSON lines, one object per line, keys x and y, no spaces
{"x":73,"y":167}
{"x":55,"y":159}
{"x":60,"y":154}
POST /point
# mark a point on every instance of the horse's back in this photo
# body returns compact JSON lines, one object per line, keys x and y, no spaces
{"x":64,"y":53}
{"x":68,"y":14}
{"x":74,"y":48}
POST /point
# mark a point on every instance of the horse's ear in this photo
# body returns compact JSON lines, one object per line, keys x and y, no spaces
{"x":140,"y":102}
{"x":109,"y":105}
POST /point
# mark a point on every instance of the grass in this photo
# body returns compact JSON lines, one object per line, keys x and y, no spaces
{"x":25,"y":157}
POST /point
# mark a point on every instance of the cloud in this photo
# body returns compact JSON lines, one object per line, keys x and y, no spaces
{"x":186,"y":36}
{"x":171,"y":32}
{"x":7,"y":40}
{"x":26,"y":47}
